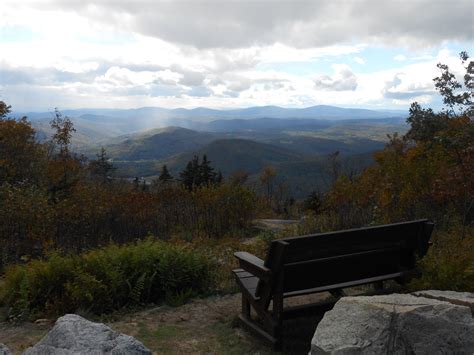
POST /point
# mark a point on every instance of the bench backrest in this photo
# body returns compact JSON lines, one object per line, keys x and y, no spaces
{"x":317,"y":260}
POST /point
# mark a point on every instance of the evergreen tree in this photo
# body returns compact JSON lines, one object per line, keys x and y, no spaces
{"x":190,"y":175}
{"x":136,"y":183}
{"x":207,"y":175}
{"x":199,"y":174}
{"x":165,"y":176}
{"x":218,"y":178}
{"x":195,"y":171}
{"x":101,"y":168}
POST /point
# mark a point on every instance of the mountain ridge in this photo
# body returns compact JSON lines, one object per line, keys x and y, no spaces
{"x":316,"y":111}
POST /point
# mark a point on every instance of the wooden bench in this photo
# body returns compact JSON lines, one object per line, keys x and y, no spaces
{"x":327,"y":262}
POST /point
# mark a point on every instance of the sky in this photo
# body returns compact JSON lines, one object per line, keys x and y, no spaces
{"x":228,"y":54}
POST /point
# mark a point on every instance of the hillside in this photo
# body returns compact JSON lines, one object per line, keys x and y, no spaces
{"x":301,"y":171}
{"x":229,"y":155}
{"x":87,"y":133}
{"x":315,"y":173}
{"x":310,"y":146}
{"x":158,"y":144}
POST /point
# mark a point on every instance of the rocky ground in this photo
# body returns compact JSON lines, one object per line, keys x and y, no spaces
{"x":205,"y":326}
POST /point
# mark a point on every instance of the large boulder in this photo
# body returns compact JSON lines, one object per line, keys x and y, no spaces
{"x":394,"y":324}
{"x":4,"y":350}
{"x":73,"y":334}
{"x":461,"y":298}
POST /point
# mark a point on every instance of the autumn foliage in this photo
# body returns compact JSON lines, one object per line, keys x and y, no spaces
{"x":427,"y":173}
{"x":53,"y":199}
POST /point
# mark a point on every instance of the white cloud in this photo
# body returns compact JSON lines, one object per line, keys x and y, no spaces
{"x":193,"y":53}
{"x":304,"y":24}
{"x":283,"y":53}
{"x":342,"y":80}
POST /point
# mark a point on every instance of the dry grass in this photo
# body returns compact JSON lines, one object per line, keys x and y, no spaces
{"x":203,"y":326}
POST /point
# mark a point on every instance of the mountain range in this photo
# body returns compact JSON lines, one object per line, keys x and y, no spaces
{"x":297,"y":142}
{"x":208,"y":114}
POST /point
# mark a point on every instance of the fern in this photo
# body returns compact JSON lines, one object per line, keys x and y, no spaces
{"x":21,"y":306}
{"x":150,"y":285}
{"x":106,"y":279}
{"x":137,"y":291}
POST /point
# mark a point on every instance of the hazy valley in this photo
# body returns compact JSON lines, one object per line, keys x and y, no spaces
{"x":298,"y":143}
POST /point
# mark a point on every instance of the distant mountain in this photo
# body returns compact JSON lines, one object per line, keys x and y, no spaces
{"x":111,"y":124}
{"x":301,"y":173}
{"x":315,"y":173}
{"x":277,"y":124}
{"x":158,"y":114}
{"x":158,"y":143}
{"x":99,"y":125}
{"x":314,"y":112}
{"x":259,"y":124}
{"x":180,"y":144}
{"x":311,"y":146}
{"x":229,"y":155}
{"x":88,"y":133}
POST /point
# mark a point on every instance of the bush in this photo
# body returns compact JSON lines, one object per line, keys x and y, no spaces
{"x":107,"y":279}
{"x":449,"y":264}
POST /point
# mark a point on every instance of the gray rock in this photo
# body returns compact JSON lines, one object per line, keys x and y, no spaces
{"x":4,"y":350}
{"x":394,"y":324}
{"x":73,"y":334}
{"x":461,"y":298}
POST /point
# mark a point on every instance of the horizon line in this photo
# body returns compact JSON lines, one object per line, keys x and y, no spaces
{"x":204,"y":107}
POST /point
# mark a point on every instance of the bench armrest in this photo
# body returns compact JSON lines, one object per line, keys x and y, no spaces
{"x":253,"y":265}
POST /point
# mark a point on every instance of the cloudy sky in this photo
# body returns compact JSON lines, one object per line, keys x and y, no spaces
{"x":225,"y":54}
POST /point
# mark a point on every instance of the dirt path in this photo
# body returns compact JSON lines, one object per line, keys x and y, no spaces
{"x":275,"y":225}
{"x":203,"y":326}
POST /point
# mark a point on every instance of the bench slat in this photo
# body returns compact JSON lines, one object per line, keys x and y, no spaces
{"x":344,"y":285}
{"x":344,"y":256}
{"x":250,"y":282}
{"x":353,"y":241}
{"x":241,"y":273}
{"x":254,"y":265}
{"x":341,"y":269}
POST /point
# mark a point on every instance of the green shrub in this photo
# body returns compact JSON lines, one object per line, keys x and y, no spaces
{"x":449,"y":264}
{"x":107,"y":279}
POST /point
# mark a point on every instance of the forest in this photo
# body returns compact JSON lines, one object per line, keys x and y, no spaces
{"x":73,"y":236}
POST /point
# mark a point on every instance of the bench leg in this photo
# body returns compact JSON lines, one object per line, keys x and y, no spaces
{"x":257,"y":328}
{"x":277,"y":321}
{"x":245,"y":307}
{"x":264,"y":330}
